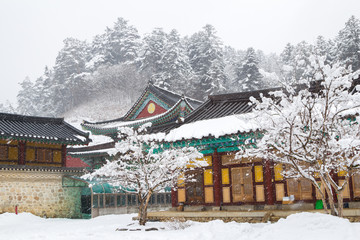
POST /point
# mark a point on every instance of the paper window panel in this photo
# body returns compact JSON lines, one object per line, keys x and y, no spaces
{"x":356,"y":185}
{"x":229,"y":159}
{"x":181,"y":195}
{"x":260,"y":193}
{"x":280,"y":194}
{"x":226,"y":194}
{"x":209,"y":195}
{"x":306,"y":189}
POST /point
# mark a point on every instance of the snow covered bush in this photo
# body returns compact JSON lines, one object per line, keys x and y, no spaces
{"x":143,"y":166}
{"x":313,"y":129}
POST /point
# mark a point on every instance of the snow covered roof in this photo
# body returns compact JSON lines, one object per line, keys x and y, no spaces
{"x":111,"y":127}
{"x":40,"y":129}
{"x":218,"y":107}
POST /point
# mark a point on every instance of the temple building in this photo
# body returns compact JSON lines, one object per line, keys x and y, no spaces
{"x":33,"y":166}
{"x":218,"y":128}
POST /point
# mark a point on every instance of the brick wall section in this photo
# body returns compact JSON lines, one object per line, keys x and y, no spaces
{"x":40,"y":193}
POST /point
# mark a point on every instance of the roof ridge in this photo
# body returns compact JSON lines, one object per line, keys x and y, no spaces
{"x":26,"y":118}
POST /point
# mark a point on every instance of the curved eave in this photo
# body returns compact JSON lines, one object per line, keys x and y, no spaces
{"x":42,"y":139}
{"x":168,"y":116}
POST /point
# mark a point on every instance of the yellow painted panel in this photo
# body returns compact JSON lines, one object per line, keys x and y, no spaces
{"x":9,"y":142}
{"x":30,"y":154}
{"x":13,"y":153}
{"x":342,"y":173}
{"x":42,"y":145}
{"x":44,"y":164}
{"x":226,"y":194}
{"x":57,"y":156}
{"x":208,"y":177}
{"x":209,"y":195}
{"x":279,"y":187}
{"x":225,"y":176}
{"x":8,"y":163}
{"x":278,"y":172}
{"x":260,"y":194}
{"x":208,"y":159}
{"x":181,"y":180}
{"x":181,"y":195}
{"x":259,"y":177}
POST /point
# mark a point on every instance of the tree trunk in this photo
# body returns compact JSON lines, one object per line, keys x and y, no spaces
{"x":340,"y":204}
{"x":143,"y":209}
{"x":330,"y":195}
{"x":323,"y":194}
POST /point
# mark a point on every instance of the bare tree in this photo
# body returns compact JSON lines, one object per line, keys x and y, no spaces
{"x":145,"y":167}
{"x":314,"y":132}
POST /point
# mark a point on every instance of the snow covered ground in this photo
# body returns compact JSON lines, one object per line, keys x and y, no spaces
{"x":304,"y":226}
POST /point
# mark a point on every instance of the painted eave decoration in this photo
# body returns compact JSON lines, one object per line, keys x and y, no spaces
{"x":181,"y":109}
{"x":40,"y":129}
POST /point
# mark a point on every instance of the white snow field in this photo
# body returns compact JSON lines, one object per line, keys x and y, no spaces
{"x":304,"y":226}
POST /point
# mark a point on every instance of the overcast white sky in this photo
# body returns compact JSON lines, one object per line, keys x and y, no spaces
{"x":32,"y":31}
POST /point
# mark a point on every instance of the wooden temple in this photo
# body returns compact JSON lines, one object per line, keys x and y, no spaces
{"x":155,"y":105}
{"x":33,"y":166}
{"x":227,"y":183}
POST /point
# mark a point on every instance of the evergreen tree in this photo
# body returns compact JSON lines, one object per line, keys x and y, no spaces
{"x":177,"y":71}
{"x":206,"y":58}
{"x":348,"y":43}
{"x":68,"y":74}
{"x":248,"y":75}
{"x":287,"y":56}
{"x":151,"y":56}
{"x":26,"y":98}
{"x":122,"y":42}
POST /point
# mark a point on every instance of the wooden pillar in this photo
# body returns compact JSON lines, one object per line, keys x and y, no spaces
{"x":63,"y":155}
{"x":174,"y":197}
{"x":21,"y":153}
{"x":217,"y":178}
{"x":268,"y":180}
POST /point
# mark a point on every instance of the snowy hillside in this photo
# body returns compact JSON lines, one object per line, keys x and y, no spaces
{"x":309,"y":226}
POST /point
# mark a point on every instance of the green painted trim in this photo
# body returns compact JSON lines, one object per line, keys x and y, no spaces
{"x":228,"y":149}
{"x":207,"y":151}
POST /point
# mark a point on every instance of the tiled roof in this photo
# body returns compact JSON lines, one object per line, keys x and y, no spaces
{"x":40,"y":129}
{"x":168,"y":97}
{"x":111,"y":127}
{"x":218,"y":106}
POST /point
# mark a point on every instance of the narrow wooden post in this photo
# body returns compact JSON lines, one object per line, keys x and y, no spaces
{"x":63,"y":155}
{"x":174,"y":198}
{"x":21,"y":153}
{"x":217,"y":178}
{"x":269,"y":187}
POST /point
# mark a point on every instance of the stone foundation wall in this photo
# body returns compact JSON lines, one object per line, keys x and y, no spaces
{"x":40,"y":193}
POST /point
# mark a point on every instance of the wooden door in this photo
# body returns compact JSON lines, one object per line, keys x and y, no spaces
{"x":194,"y":187}
{"x":242,"y":184}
